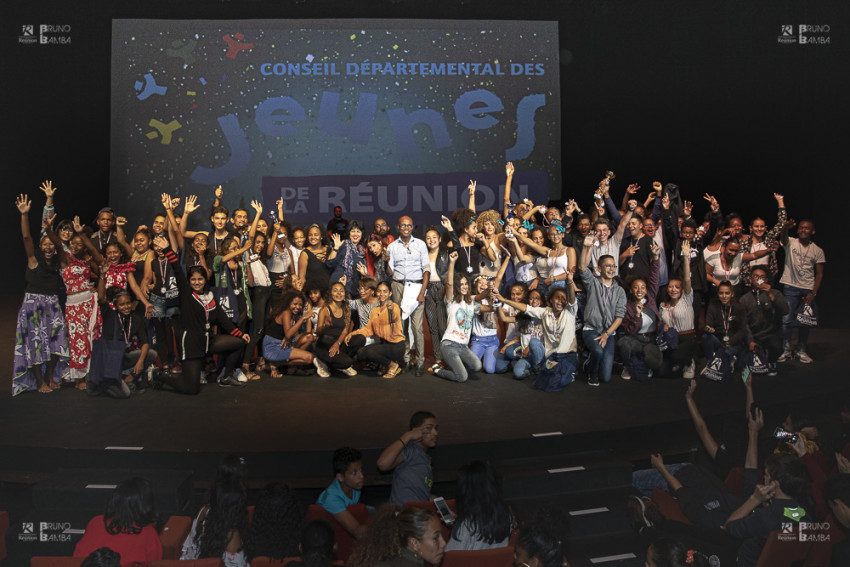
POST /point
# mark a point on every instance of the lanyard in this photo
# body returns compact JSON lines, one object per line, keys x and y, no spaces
{"x":127,"y":332}
{"x":163,"y":268}
{"x":726,"y":321}
{"x":607,"y":292}
{"x":100,"y":239}
{"x":207,"y":306}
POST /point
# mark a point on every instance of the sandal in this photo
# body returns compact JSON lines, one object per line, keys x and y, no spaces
{"x":252,"y":376}
{"x":392,"y":372}
{"x":261,"y":365}
{"x":276,"y":373}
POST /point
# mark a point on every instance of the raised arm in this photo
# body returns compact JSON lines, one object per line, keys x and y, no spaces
{"x":624,"y":221}
{"x":121,"y":237}
{"x":586,"y":251}
{"x":258,"y":208}
{"x":23,"y":204}
{"x":627,"y":196}
{"x":95,"y":255}
{"x":703,"y":432}
{"x":471,"y":188}
{"x":541,"y":250}
{"x":189,"y":206}
{"x":238,"y":253}
{"x":686,"y":266}
{"x":509,"y":172}
{"x":48,"y":210}
{"x":450,"y":277}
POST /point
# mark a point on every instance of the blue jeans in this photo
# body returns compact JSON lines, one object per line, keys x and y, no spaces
{"x":601,"y":360}
{"x":794,"y":296}
{"x":647,"y":479}
{"x":459,"y":358}
{"x":485,"y":347}
{"x":522,"y":366}
{"x":710,"y":345}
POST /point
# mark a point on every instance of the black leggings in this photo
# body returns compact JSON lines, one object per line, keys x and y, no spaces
{"x":435,"y":314}
{"x":260,"y":299}
{"x":345,"y":357}
{"x":382,"y":353}
{"x":189,"y":382}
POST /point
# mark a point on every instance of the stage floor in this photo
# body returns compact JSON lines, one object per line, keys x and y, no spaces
{"x":309,"y":414}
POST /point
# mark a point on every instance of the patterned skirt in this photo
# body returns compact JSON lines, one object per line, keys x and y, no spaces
{"x":82,"y":316}
{"x":40,"y":334}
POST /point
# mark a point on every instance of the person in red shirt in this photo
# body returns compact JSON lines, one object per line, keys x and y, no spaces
{"x":127,"y":527}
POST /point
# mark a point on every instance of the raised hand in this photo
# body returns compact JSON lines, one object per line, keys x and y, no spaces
{"x":120,"y":221}
{"x":257,"y":206}
{"x":175,"y":202}
{"x":665,"y":202}
{"x":219,"y":192}
{"x":77,"y":226}
{"x":23,"y":203}
{"x":509,"y":169}
{"x":48,"y":189}
{"x":190,"y":205}
{"x":715,"y":206}
{"x":588,"y":240}
{"x":472,"y":185}
{"x":453,"y":257}
{"x":687,"y":207}
{"x":337,"y":240}
{"x":48,"y":221}
{"x":361,"y":268}
{"x":686,"y":248}
{"x":656,"y":186}
{"x":780,"y":200}
{"x":160,"y":243}
{"x":632,"y":204}
{"x":446,"y":223}
{"x":655,"y":249}
{"x":166,"y":200}
{"x":633,"y":188}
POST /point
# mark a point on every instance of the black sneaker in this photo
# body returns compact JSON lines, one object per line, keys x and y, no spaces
{"x":593,"y":380}
{"x":230,"y":382}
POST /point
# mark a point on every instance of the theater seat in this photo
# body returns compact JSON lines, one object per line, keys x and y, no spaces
{"x":266,"y":562}
{"x":784,"y":549}
{"x":500,"y":557}
{"x":668,"y":506}
{"x":4,"y":525}
{"x":56,"y":561}
{"x":173,"y":535}
{"x":345,"y":542}
{"x":209,"y":562}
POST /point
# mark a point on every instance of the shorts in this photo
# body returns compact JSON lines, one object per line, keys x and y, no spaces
{"x":163,"y":308}
{"x":274,"y":352}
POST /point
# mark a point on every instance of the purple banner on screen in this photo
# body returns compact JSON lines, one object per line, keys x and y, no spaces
{"x":423,"y":197}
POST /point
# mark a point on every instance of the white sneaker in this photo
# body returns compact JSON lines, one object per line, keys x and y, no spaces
{"x":786,"y":355}
{"x":240,"y":376}
{"x":321,"y":368}
{"x":625,"y":374}
{"x":349,"y":371}
{"x":803,"y":357}
{"x":688,"y":372}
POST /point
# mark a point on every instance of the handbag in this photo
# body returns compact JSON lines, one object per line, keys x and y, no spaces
{"x":667,"y":340}
{"x":806,"y":315}
{"x":558,"y":371}
{"x":226,"y":299}
{"x":756,"y":360}
{"x":107,"y":356}
{"x":719,"y":368}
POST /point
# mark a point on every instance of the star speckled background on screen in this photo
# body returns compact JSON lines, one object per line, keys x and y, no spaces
{"x":173,"y":80}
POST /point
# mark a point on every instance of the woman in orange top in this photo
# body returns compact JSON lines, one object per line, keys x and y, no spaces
{"x":385,"y":324}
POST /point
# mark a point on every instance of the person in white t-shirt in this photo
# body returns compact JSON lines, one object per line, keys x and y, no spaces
{"x":800,"y":281}
{"x":461,"y":309}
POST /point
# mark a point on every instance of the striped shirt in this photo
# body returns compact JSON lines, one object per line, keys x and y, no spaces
{"x":681,"y":315}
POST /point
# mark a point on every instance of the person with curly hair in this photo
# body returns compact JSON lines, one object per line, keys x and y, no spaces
{"x":318,"y":545}
{"x":333,"y":328}
{"x":278,"y":519}
{"x":127,"y":527}
{"x":400,"y":538}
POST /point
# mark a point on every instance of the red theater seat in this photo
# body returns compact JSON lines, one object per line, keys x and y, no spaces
{"x":501,"y":557}
{"x":345,"y":542}
{"x":56,"y":561}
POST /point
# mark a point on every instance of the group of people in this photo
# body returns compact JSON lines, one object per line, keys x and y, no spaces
{"x":803,"y":489}
{"x":529,"y":289}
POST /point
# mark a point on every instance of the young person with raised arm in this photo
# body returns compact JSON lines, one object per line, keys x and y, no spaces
{"x":606,"y":307}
